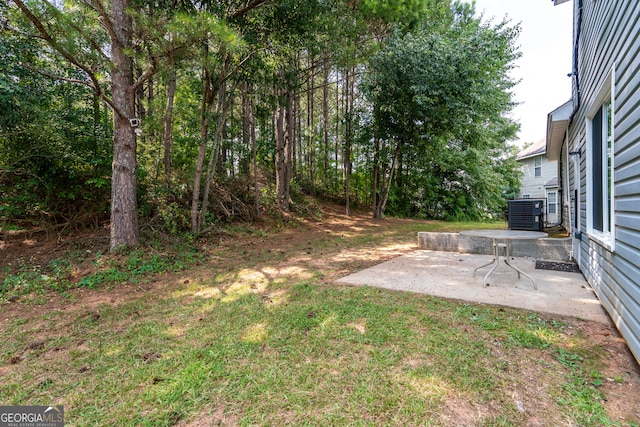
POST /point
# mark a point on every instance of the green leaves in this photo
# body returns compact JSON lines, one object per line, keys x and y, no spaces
{"x":441,"y":95}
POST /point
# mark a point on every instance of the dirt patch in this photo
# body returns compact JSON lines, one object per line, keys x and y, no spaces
{"x":557,"y":232}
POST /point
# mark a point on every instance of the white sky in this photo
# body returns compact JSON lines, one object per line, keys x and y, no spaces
{"x":545,"y":43}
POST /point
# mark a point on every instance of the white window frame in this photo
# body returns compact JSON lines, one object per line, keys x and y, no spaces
{"x":554,"y":204}
{"x":606,"y":237}
{"x":537,"y":167}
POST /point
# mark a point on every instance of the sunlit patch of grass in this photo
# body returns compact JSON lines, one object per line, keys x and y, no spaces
{"x":255,"y":333}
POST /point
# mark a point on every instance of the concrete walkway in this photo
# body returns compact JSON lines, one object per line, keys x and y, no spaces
{"x":450,"y":275}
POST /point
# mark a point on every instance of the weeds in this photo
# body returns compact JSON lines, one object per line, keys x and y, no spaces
{"x":60,"y":274}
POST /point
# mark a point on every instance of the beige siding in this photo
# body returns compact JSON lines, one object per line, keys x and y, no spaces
{"x":534,"y":186}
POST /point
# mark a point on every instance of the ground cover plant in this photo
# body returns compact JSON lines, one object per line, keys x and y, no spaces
{"x":248,"y":328}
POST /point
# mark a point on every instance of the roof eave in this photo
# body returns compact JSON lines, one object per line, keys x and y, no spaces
{"x":557,"y":124}
{"x":530,"y":156}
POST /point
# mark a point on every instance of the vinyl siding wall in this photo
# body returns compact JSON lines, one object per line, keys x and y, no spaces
{"x":611,"y":36}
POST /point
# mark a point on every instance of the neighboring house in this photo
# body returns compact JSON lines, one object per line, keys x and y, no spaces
{"x":539,"y":179}
{"x":596,"y":138}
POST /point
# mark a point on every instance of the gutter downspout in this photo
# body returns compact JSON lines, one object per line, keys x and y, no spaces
{"x":560,"y":192}
{"x":575,"y":60}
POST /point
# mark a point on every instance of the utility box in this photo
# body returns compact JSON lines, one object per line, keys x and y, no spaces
{"x":526,"y":214}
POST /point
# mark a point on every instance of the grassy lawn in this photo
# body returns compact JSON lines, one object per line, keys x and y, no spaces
{"x":251,"y":330}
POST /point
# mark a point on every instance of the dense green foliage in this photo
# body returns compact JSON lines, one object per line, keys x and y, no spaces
{"x":440,"y":97}
{"x":355,"y":84}
{"x":54,"y":139}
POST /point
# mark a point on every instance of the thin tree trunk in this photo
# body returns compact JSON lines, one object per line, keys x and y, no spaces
{"x":221,"y":116}
{"x":337,"y":165}
{"x":325,"y":116}
{"x":151,"y":133}
{"x":254,"y":148}
{"x":96,"y":125}
{"x":205,"y":111}
{"x":246,"y":129}
{"x":168,"y":122}
{"x":385,"y":185}
{"x":311,"y":130}
{"x":387,"y":189}
{"x":281,"y":146}
{"x":281,"y":141}
{"x":349,"y":83}
{"x":290,"y":141}
{"x":376,"y":174}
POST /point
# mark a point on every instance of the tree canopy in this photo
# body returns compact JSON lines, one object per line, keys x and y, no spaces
{"x":210,"y":111}
{"x":441,"y":98}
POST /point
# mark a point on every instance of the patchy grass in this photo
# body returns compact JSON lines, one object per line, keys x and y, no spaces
{"x":28,"y":279}
{"x":256,"y":334}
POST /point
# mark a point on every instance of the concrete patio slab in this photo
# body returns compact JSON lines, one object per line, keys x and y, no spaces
{"x":450,"y":275}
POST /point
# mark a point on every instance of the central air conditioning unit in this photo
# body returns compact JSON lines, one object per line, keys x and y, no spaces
{"x":526,"y":214}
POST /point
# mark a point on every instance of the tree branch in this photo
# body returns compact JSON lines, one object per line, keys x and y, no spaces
{"x":237,"y":67}
{"x":252,"y":5}
{"x":55,"y":77}
{"x":144,"y":77}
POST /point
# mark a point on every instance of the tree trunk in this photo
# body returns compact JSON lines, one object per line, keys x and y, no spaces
{"x":246,"y":129}
{"x":254,"y":149}
{"x":281,"y":142}
{"x":325,"y":116}
{"x":124,"y":207}
{"x":205,"y":111}
{"x":221,"y":116}
{"x":284,"y":135}
{"x":348,"y":107}
{"x":337,"y":138}
{"x":310,"y":130}
{"x":376,"y":175}
{"x":168,"y":122}
{"x":384,"y":185}
{"x":290,"y":141}
{"x":299,"y":171}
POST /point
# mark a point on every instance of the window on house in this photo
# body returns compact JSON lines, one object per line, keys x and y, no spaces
{"x":537,"y":166}
{"x":552,"y":202}
{"x":601,"y":170}
{"x":600,"y":159}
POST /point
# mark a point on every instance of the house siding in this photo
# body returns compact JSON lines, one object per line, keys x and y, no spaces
{"x":610,"y":35}
{"x":534,"y":186}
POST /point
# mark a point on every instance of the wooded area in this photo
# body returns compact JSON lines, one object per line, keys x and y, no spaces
{"x":190,"y":113}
